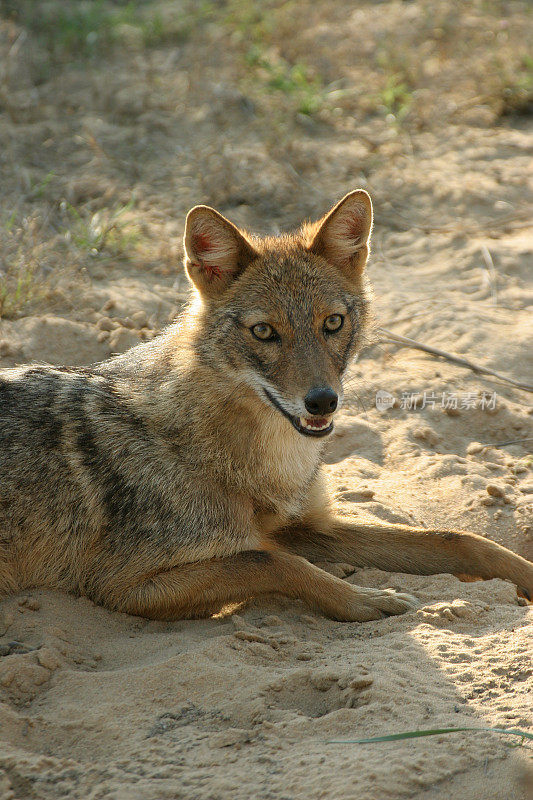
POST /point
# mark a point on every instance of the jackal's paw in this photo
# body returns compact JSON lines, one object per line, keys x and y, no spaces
{"x":370,"y":604}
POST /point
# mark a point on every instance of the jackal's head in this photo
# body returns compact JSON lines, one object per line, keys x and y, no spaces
{"x":282,"y":317}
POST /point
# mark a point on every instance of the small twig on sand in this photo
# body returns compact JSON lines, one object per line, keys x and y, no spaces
{"x":490,"y":273}
{"x":510,"y":441}
{"x":404,"y":341}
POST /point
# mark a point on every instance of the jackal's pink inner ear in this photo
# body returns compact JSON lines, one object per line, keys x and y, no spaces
{"x":216,"y":252}
{"x":342,"y":236}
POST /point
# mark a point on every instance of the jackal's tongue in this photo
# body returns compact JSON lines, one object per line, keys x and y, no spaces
{"x":315,"y":423}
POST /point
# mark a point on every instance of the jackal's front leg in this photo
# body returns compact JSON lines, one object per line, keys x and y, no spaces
{"x":400,"y":548}
{"x":199,"y":589}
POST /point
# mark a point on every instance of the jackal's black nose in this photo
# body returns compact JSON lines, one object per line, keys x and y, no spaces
{"x":321,"y":401}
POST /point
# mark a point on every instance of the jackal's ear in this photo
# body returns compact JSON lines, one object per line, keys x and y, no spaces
{"x":216,"y":252}
{"x":342,"y":236}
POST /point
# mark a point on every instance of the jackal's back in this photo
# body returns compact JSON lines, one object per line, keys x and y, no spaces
{"x":77,"y":475}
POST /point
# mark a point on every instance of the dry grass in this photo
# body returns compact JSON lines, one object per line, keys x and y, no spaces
{"x":99,"y":98}
{"x":23,"y":269}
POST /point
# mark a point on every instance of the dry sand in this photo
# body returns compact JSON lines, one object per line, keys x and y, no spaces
{"x":98,"y":705}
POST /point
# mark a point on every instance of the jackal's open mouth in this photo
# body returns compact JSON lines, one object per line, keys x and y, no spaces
{"x":308,"y":426}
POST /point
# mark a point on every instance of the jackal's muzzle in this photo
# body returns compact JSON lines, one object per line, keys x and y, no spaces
{"x":316,"y":425}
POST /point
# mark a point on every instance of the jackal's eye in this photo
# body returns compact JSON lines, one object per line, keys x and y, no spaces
{"x":333,"y":323}
{"x":264,"y":332}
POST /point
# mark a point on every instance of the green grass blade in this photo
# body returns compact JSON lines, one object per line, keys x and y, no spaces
{"x":396,"y":737}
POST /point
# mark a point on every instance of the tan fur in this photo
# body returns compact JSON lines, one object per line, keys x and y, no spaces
{"x":176,"y":478}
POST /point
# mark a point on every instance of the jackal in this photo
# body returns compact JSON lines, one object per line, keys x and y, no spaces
{"x":186,"y":474}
